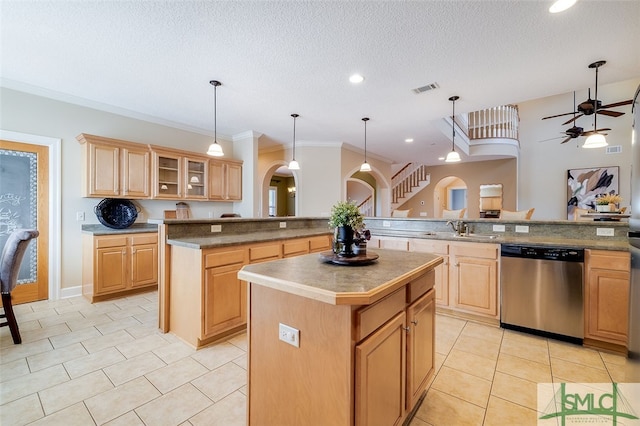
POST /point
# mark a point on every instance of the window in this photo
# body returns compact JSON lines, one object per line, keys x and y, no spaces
{"x":273,"y":200}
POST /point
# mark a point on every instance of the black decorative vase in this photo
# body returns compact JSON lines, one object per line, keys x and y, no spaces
{"x":344,"y":241}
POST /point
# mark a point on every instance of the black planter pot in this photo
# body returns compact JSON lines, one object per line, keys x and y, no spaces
{"x":344,"y":240}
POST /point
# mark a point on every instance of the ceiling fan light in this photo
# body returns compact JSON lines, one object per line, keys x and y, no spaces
{"x":215,"y":150}
{"x":561,"y":5}
{"x":452,"y":157}
{"x":597,"y":140}
{"x":293,"y":165}
{"x":365,"y":167}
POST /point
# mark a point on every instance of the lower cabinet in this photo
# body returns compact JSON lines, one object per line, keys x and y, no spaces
{"x":442,"y":271}
{"x":115,"y":265}
{"x":607,"y":282}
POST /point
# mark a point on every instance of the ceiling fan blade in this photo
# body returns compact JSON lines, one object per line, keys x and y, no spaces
{"x":552,"y":139}
{"x":610,"y":113}
{"x":559,"y":115}
{"x":590,"y":132}
{"x":566,"y":140}
{"x":573,"y":119}
{"x":617,"y":104}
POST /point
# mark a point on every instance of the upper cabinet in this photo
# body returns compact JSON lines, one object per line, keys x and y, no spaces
{"x":121,"y":169}
{"x":114,"y":168}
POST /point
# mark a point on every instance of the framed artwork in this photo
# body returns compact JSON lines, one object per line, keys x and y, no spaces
{"x":585,"y":185}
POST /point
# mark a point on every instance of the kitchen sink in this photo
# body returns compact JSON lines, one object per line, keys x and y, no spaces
{"x":481,"y":236}
{"x":454,"y":235}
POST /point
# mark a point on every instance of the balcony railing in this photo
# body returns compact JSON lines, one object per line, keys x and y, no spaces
{"x":497,"y":122}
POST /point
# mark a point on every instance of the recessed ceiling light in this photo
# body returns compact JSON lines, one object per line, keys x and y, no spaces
{"x":408,"y":140}
{"x":441,"y":158}
{"x":561,"y":5}
{"x":356,"y":78}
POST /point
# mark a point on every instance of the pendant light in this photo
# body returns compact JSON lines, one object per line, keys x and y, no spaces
{"x":293,"y":165}
{"x":215,"y":150}
{"x":453,"y":156}
{"x":365,"y":167}
{"x":596,"y":140}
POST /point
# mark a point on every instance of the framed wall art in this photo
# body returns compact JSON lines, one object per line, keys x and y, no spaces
{"x":585,"y":185}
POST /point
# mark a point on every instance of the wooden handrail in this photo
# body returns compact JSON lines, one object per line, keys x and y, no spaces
{"x":364,"y":202}
{"x":401,"y":170}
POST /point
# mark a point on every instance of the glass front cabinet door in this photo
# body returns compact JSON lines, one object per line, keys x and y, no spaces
{"x":168,"y":176}
{"x":196,"y":178}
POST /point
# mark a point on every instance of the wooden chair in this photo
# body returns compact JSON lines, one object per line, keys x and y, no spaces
{"x":453,"y":214}
{"x":519,"y":215}
{"x":401,"y":213}
{"x":10,"y":261}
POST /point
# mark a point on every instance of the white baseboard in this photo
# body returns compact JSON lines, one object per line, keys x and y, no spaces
{"x":67,"y":292}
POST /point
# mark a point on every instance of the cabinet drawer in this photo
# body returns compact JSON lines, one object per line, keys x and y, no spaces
{"x":484,"y":251}
{"x":115,"y":241}
{"x":421,"y":285}
{"x":267,"y":252}
{"x":429,"y":246}
{"x":295,"y":247}
{"x":223,"y":258}
{"x":604,"y":259}
{"x":394,"y":243}
{"x":150,"y":238}
{"x":319,"y":243}
{"x":370,"y":318}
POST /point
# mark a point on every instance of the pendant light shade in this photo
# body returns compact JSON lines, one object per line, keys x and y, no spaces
{"x":293,"y":164}
{"x":215,"y":150}
{"x":453,"y":156}
{"x":596,"y":140}
{"x":365,"y":167}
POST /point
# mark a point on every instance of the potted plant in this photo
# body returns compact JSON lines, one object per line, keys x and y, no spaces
{"x":348,"y":221}
{"x":608,"y":202}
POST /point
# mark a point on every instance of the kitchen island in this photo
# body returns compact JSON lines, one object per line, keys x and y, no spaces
{"x":339,"y":345}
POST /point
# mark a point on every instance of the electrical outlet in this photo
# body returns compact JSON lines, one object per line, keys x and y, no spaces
{"x":499,"y":228}
{"x":289,"y":335}
{"x":522,"y":229}
{"x":283,"y":224}
{"x":386,"y":224}
{"x":605,"y":232}
{"x":216,"y":228}
{"x":423,"y":214}
{"x":79,"y":216}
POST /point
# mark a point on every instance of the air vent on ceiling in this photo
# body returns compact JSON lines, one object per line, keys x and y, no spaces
{"x":426,"y":88}
{"x":614,"y":149}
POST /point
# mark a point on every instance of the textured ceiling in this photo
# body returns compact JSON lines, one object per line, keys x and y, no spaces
{"x":154,"y":59}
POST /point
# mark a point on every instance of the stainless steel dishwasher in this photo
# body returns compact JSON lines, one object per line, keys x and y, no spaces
{"x":542,"y":291}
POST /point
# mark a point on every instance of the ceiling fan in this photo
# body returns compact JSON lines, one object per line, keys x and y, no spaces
{"x":576,"y":131}
{"x":589,"y":106}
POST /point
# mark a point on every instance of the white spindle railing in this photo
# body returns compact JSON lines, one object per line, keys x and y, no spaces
{"x":409,"y":177}
{"x":496,"y":122}
{"x":366,"y":207}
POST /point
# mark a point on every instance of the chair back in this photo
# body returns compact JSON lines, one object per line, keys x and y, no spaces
{"x":453,"y":214}
{"x":521,"y":214}
{"x":401,"y":213}
{"x":12,"y":255}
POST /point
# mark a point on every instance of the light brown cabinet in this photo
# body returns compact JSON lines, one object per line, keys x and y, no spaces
{"x":607,"y":282}
{"x":225,"y":180}
{"x":116,"y":265}
{"x":442,"y":271}
{"x":114,"y":168}
{"x":177,"y":175}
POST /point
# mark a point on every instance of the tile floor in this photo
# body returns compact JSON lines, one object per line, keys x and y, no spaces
{"x":106,"y":364}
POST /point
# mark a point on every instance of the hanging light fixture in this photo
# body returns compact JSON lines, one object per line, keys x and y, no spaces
{"x":293,"y":165}
{"x":215,"y":150}
{"x":453,"y":156}
{"x":365,"y":167}
{"x":596,"y":140}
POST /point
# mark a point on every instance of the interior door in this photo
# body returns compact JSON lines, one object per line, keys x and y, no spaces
{"x":24,"y":203}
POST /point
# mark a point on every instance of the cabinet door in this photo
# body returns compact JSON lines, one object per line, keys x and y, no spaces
{"x":420,"y":348}
{"x":442,"y":271}
{"x":381,"y":375}
{"x":111,"y":270}
{"x":135,"y":173}
{"x":297,"y":247}
{"x":216,"y":180}
{"x":607,"y":305}
{"x":167,"y":169}
{"x":234,"y":182}
{"x":474,"y":284}
{"x":104,"y":170}
{"x":225,"y":300}
{"x":144,"y":265}
{"x":394,"y":243}
{"x":196,"y":174}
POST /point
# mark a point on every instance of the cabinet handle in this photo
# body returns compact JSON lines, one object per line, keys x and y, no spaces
{"x":407,"y":329}
{"x":124,"y":252}
{"x":414,"y":322}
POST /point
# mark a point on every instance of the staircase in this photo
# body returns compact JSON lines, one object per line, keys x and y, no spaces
{"x":366,"y":207}
{"x":410,"y":180}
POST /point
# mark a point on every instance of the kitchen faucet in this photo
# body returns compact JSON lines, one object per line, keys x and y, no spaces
{"x":459,"y":227}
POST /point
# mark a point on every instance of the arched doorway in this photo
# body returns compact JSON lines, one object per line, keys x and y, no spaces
{"x":449,"y":193}
{"x":363,"y":194}
{"x":377,"y":185}
{"x":279,"y":188}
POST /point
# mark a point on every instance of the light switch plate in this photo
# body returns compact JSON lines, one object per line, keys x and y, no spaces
{"x":289,"y":335}
{"x":423,"y":214}
{"x":522,"y":228}
{"x":216,"y":228}
{"x":386,"y":224}
{"x":283,"y":224}
{"x":499,"y":228}
{"x":605,"y":232}
{"x":79,"y":216}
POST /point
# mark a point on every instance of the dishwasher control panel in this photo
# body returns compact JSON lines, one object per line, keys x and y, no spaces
{"x":564,"y":254}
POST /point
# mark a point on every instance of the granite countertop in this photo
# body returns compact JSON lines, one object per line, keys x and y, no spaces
{"x":97,"y":229}
{"x":310,"y":277}
{"x":221,"y":240}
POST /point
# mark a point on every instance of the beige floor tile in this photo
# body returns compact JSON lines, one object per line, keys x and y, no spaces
{"x":441,"y":409}
{"x":214,"y":356}
{"x":578,"y":373}
{"x":483,"y":331}
{"x":417,"y":422}
{"x":117,"y":325}
{"x":69,"y":393}
{"x":475,"y":365}
{"x":15,"y":352}
{"x":133,"y":367}
{"x":98,"y":308}
{"x":515,"y":389}
{"x":575,"y":353}
{"x":127,"y":419}
{"x":59,"y":319}
{"x":127,"y":312}
{"x":522,"y":349}
{"x":35,"y":315}
{"x":43,"y":305}
{"x":13,"y":369}
{"x":502,"y":413}
{"x":450,"y":323}
{"x":174,"y":352}
{"x":440,"y":359}
{"x":148,"y":318}
{"x":230,"y":411}
{"x":445,"y":341}
{"x":98,"y":343}
{"x":93,"y":362}
{"x":120,"y":400}
{"x":476,"y":346}
{"x":241,"y":361}
{"x":221,"y":382}
{"x":76,"y":415}
{"x":462,"y":385}
{"x":524,"y":368}
{"x":89,"y":322}
{"x":44,"y":333}
{"x":48,"y":359}
{"x":141,"y":345}
{"x":144,"y":330}
{"x":239,"y":340}
{"x":19,"y":387}
{"x":529,"y":340}
{"x":174,"y":407}
{"x":22,"y":411}
{"x":623,"y":373}
{"x":74,"y":337}
{"x":70,"y":307}
{"x":167,"y":378}
{"x":610,"y":358}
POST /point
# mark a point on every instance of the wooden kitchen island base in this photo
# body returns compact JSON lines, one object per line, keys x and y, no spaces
{"x":365,"y":337}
